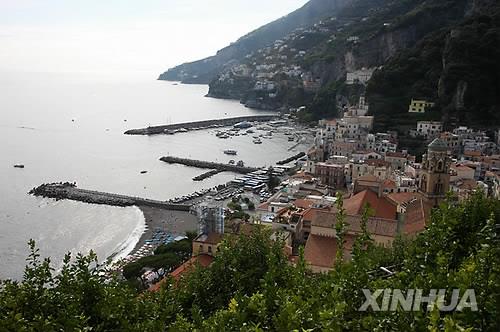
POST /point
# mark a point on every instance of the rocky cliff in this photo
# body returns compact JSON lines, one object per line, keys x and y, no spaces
{"x":456,"y":67}
{"x":305,"y":67}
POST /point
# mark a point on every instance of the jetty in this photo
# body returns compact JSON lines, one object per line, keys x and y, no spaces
{"x":292,"y":158}
{"x":70,"y":191}
{"x":198,"y":125}
{"x":206,"y":175}
{"x":209,"y":165}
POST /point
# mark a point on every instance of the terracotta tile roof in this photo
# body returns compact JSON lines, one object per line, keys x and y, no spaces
{"x":416,"y":217}
{"x":462,"y":167}
{"x":382,"y":207}
{"x":466,"y":184}
{"x":263,"y":206}
{"x":203,"y":261}
{"x":321,"y":250}
{"x":303,"y":203}
{"x":310,"y":214}
{"x":376,"y":226}
{"x":389,"y":184}
{"x":395,"y":155}
{"x":472,"y":153}
{"x":323,"y":218}
{"x":401,"y":198}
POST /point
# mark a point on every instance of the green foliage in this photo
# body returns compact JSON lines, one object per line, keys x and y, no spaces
{"x":461,"y":57}
{"x":181,"y":248}
{"x":273,"y":182}
{"x":166,"y":256}
{"x":168,"y":261}
{"x":324,"y":104}
{"x":252,"y":287}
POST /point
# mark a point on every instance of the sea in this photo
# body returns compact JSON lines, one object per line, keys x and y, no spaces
{"x":69,"y":127}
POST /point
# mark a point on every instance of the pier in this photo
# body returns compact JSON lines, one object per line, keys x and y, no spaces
{"x":197,"y":125}
{"x":209,"y":165}
{"x":71,"y":192}
{"x":292,"y":158}
{"x":206,"y":175}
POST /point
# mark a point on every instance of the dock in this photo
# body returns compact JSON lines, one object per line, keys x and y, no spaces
{"x":197,"y":125}
{"x":292,"y":158}
{"x":209,"y":165}
{"x":70,"y":191}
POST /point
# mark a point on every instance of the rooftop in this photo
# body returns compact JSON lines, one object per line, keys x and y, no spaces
{"x":210,"y":238}
{"x":438,"y":145}
{"x":381,"y":206}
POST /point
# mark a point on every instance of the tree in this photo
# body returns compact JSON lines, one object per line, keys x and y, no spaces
{"x":251,"y":286}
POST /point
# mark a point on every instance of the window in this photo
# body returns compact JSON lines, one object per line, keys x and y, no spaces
{"x":210,"y":249}
{"x":440,"y":166}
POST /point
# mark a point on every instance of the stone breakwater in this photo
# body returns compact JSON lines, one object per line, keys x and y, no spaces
{"x":209,"y":165}
{"x":206,"y":175}
{"x":155,"y":130}
{"x":286,"y":161}
{"x":70,"y":191}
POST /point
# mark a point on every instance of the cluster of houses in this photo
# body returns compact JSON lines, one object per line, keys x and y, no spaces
{"x":371,"y":173}
{"x":281,"y":61}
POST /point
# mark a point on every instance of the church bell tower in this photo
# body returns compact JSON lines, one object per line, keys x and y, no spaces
{"x":435,"y":175}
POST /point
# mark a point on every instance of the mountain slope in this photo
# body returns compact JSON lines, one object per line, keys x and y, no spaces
{"x":456,"y":67}
{"x":205,"y":70}
{"x":308,"y":66}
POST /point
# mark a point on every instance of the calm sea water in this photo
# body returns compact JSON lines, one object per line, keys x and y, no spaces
{"x":69,"y":127}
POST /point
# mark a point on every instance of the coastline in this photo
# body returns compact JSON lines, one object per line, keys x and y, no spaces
{"x":174,"y":222}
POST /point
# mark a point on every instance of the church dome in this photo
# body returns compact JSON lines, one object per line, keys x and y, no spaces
{"x":438,"y":145}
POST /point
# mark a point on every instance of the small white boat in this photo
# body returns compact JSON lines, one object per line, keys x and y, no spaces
{"x":231,"y":152}
{"x":18,"y":166}
{"x":257,"y":141}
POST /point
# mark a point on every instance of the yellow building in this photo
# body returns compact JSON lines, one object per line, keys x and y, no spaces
{"x":419,"y":106}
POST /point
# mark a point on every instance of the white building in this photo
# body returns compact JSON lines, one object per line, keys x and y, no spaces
{"x":429,"y":129}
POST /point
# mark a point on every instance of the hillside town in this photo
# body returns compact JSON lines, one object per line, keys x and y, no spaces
{"x":265,"y":76}
{"x":386,"y":187}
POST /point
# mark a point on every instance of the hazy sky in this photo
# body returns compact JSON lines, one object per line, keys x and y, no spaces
{"x":124,"y":35}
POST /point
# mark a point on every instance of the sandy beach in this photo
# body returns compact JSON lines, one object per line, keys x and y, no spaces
{"x":174,"y":222}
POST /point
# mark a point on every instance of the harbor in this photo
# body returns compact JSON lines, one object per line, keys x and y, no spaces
{"x":199,"y":125}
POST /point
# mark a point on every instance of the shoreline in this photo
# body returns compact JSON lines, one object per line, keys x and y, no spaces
{"x":175,"y":222}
